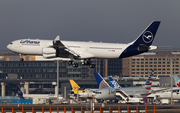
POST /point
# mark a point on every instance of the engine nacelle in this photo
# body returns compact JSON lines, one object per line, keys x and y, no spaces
{"x":143,"y":48}
{"x":49,"y":51}
{"x":49,"y":56}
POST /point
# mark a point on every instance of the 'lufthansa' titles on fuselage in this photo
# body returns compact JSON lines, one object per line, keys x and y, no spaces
{"x":30,"y":42}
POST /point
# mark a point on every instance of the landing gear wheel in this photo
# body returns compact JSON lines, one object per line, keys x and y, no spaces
{"x":70,"y":62}
{"x":85,"y":63}
{"x":92,"y":65}
{"x":75,"y":65}
{"x":21,"y":59}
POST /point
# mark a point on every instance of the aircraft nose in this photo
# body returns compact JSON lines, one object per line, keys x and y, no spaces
{"x":9,"y":46}
{"x":95,"y":96}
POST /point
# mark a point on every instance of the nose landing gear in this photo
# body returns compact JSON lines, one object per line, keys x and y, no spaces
{"x":21,"y":58}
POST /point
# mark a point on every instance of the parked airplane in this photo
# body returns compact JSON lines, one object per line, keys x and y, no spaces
{"x":131,"y":91}
{"x":166,"y":94}
{"x":85,"y":51}
{"x":77,"y":90}
{"x":176,"y":80}
{"x":115,"y":93}
{"x":31,"y":96}
{"x":134,"y":90}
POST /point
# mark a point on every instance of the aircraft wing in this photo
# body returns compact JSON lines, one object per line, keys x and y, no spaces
{"x":152,"y":91}
{"x":155,"y":91}
{"x":144,"y":94}
{"x":62,"y":49}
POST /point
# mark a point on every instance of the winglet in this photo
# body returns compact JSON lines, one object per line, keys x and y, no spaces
{"x":57,"y":39}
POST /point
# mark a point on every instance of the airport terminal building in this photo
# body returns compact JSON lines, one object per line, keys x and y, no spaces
{"x":159,"y":60}
{"x":37,"y":75}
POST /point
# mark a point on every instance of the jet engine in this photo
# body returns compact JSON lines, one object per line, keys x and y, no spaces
{"x":49,"y":52}
{"x":143,"y":48}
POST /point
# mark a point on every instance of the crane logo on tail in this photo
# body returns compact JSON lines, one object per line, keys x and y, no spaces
{"x":147,"y":37}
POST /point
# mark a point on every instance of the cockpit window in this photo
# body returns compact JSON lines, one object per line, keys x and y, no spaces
{"x":11,"y":43}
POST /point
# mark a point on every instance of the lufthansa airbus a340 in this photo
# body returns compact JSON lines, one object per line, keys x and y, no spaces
{"x":85,"y":51}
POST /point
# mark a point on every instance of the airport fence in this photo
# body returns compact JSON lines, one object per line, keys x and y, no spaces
{"x":77,"y":110}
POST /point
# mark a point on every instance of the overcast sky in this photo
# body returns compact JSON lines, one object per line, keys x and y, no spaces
{"x":89,"y":20}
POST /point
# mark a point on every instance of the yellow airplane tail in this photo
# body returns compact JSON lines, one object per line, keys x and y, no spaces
{"x":74,"y":86}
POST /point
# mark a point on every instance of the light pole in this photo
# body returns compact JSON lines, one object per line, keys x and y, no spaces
{"x":171,"y":63}
{"x":77,"y":94}
{"x":57,"y":79}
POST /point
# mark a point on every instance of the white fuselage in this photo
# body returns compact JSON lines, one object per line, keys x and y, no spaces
{"x":109,"y":93}
{"x":135,"y":91}
{"x":86,"y":50}
{"x":47,"y":96}
{"x":83,"y":49}
{"x":105,"y":94}
{"x":166,"y":94}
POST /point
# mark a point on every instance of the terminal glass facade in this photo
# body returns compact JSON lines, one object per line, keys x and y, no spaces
{"x":39,"y":69}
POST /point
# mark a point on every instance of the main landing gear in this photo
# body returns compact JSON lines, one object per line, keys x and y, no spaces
{"x":88,"y":62}
{"x":84,"y":62}
{"x":72,"y":63}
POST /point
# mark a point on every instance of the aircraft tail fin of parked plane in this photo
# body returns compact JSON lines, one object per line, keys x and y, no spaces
{"x":74,"y":86}
{"x":19,"y":92}
{"x":149,"y":81}
{"x":113,"y":83}
{"x":176,"y":80}
{"x":100,"y":81}
{"x":147,"y":85}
